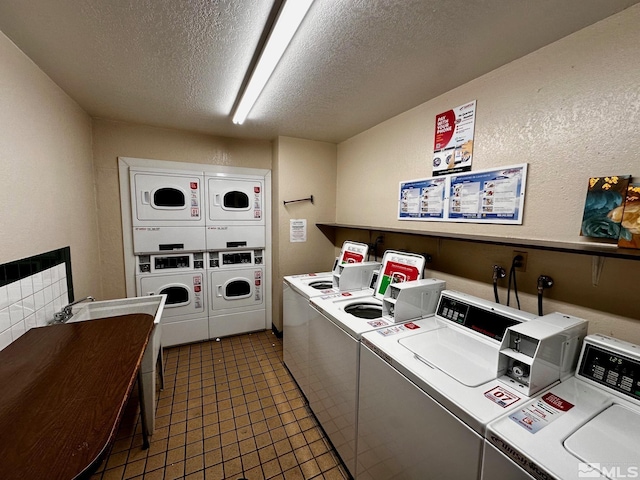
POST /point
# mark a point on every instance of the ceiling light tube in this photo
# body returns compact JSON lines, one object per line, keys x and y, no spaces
{"x":289,"y":19}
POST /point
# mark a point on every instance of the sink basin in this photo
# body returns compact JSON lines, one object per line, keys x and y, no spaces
{"x":152,"y":305}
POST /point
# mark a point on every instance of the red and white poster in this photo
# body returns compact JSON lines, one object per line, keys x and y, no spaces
{"x":453,"y":141}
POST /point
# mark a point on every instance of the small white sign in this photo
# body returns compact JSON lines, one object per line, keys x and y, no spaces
{"x":298,"y":230}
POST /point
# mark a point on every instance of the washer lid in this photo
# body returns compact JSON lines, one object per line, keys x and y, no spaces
{"x":469,"y":360}
{"x":610,"y":439}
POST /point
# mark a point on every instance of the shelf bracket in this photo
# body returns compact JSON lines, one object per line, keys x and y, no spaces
{"x":597,"y":264}
{"x":308,"y":199}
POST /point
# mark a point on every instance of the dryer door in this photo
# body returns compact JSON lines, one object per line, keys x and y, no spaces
{"x":165,"y":199}
{"x":184,"y":292}
{"x":237,"y":201}
{"x":236,"y":289}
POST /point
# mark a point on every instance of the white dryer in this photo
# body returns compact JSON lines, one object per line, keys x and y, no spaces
{"x":427,"y":393}
{"x":338,"y":320}
{"x":235,"y":211}
{"x":181,"y":277}
{"x":167,"y":210}
{"x":585,"y":427}
{"x":236,"y":292}
{"x":296,"y":312}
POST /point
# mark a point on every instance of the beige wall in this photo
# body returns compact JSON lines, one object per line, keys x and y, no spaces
{"x":570,"y":110}
{"x":46,"y":174}
{"x":301,"y":168}
{"x":116,"y":139}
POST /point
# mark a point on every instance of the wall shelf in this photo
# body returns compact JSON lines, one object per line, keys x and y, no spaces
{"x":582,"y":248}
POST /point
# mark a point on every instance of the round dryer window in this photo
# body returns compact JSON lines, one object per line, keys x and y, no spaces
{"x":176,"y":296}
{"x":169,"y":198}
{"x":235,"y":200}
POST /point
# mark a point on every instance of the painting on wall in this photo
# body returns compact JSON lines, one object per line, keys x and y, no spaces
{"x":628,"y":214}
{"x":604,"y":196}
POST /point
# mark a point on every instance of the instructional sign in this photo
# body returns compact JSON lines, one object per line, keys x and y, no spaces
{"x":487,"y":196}
{"x":492,"y":196}
{"x":453,"y":140}
{"x":298,"y":230}
{"x":423,"y":199}
{"x":541,"y":412}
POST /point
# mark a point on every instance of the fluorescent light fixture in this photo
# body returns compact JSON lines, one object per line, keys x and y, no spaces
{"x":289,"y":19}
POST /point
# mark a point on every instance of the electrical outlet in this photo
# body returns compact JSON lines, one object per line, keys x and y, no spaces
{"x":521,"y":266}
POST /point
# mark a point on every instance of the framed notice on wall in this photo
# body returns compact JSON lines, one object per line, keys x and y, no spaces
{"x":489,"y":196}
{"x":423,"y":199}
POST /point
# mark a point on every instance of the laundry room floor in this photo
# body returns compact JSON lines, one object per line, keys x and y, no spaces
{"x":229,"y":410}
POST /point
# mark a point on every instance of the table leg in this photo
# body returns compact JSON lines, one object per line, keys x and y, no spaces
{"x":143,"y":417}
{"x":161,"y":367}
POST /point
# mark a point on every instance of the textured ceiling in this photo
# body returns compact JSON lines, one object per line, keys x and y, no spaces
{"x":352,"y":64}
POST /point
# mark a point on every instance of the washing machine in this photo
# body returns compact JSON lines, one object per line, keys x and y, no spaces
{"x":236,"y":292}
{"x":585,"y":427}
{"x":235,"y":215}
{"x":296,"y":291}
{"x":427,"y":393}
{"x":335,"y":327}
{"x":181,"y":277}
{"x":167,"y":210}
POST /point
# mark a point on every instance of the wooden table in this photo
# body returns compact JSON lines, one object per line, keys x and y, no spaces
{"x":63,"y":389}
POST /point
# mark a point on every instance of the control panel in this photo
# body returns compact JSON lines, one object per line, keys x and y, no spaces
{"x":489,"y":323}
{"x":158,"y":263}
{"x":235,"y":259}
{"x":612,"y":367}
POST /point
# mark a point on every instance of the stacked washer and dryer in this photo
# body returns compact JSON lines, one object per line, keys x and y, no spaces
{"x":200,"y":237}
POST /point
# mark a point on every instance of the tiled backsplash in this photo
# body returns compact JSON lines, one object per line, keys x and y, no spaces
{"x":31,"y":291}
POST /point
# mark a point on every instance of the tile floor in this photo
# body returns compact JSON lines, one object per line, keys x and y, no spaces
{"x":229,"y":410}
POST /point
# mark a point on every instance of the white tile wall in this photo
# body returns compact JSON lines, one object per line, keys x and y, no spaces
{"x":31,"y":302}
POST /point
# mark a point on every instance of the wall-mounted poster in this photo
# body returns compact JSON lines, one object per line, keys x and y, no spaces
{"x":489,"y":196}
{"x":422,"y":199}
{"x":604,"y":195}
{"x":630,"y":231}
{"x":453,"y":141}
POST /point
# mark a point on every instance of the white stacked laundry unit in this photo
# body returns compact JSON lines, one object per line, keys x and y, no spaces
{"x":200,"y":234}
{"x":236,"y":242}
{"x":169,"y":241}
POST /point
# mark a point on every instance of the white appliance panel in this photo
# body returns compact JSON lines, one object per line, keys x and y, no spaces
{"x":166,"y":199}
{"x":234,"y":289}
{"x":235,"y":201}
{"x":185,"y":331}
{"x":496,"y":466}
{"x":333,"y":379}
{"x":296,"y":315}
{"x":225,"y":237}
{"x":166,"y":239}
{"x":403,"y":433}
{"x":236,"y":323}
